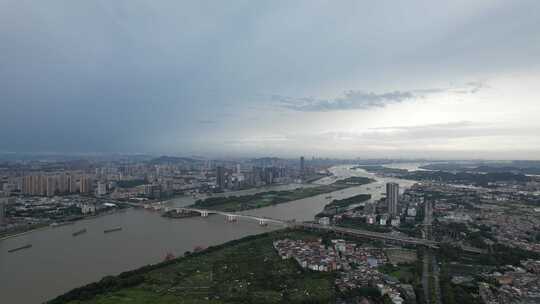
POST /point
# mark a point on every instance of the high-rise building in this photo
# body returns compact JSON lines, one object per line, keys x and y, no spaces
{"x":256,"y":176}
{"x":42,"y":185}
{"x":72,"y":184}
{"x":268,"y":176}
{"x":48,"y":185}
{"x":153,"y":190}
{"x":26,"y":185}
{"x":392,"y":197}
{"x":101,"y":189}
{"x":29,"y":185}
{"x":220,"y":177}
{"x":34,"y":185}
{"x":63,"y":183}
{"x":302,"y":166}
{"x":428,"y":212}
{"x":85,"y":185}
{"x":3,"y":206}
{"x":51,"y":185}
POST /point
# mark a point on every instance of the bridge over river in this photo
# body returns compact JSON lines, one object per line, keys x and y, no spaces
{"x":233,"y":217}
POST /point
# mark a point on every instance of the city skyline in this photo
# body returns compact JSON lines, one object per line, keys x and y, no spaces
{"x":447,"y":80}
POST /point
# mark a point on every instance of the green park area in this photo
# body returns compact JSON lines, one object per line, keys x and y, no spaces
{"x":242,"y":271}
{"x":405,"y":273}
{"x":269,"y":198}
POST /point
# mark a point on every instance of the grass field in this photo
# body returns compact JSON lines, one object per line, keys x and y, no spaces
{"x":405,"y":273}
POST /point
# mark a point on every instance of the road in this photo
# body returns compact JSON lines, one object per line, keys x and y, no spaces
{"x":435,"y":273}
{"x":373,"y":235}
{"x":425,"y":278}
{"x":430,"y":271}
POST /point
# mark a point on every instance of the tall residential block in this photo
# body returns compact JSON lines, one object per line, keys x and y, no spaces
{"x":220,"y":177}
{"x":3,"y":207}
{"x":392,"y":197}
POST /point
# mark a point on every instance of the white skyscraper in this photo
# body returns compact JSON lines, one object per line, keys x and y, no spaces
{"x":101,"y":189}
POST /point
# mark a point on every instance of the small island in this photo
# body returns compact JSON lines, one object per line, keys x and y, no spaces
{"x":337,"y":206}
{"x":269,"y":198}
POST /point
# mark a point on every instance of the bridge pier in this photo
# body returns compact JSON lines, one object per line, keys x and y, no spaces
{"x":204,"y":213}
{"x":232,"y":218}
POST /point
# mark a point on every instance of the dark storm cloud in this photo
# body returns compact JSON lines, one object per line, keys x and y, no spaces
{"x":361,"y":100}
{"x":144,"y":75}
{"x":351,"y":100}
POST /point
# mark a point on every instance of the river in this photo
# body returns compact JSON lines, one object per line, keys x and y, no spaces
{"x":58,"y":262}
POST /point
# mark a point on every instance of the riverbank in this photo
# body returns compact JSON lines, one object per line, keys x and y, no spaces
{"x":146,"y":238}
{"x":47,"y":225}
{"x":270,"y":198}
{"x":16,"y":234}
{"x":240,"y":271}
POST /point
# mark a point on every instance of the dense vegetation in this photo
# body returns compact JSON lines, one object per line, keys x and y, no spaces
{"x":381,"y":169}
{"x":522,"y":167}
{"x":405,"y":273}
{"x":241,"y":271}
{"x":452,"y":293}
{"x":467,"y":178}
{"x":337,"y":206}
{"x":360,"y":223}
{"x":482,"y":176}
{"x":498,"y":255}
{"x":355,"y":181}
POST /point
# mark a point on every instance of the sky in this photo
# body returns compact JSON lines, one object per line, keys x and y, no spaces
{"x":423,"y":79}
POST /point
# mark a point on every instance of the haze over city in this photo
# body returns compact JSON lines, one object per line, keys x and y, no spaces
{"x":245,"y":78}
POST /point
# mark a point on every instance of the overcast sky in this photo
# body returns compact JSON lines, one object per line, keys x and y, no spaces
{"x":441,"y":79}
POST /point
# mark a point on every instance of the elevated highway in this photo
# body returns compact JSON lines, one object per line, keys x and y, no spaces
{"x":371,"y":234}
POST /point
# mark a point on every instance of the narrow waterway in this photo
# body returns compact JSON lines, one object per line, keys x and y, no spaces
{"x":58,"y":261}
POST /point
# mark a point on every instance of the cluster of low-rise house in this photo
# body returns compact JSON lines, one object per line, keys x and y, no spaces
{"x":514,"y":285}
{"x":356,"y":266}
{"x":515,"y":225}
{"x":511,"y":220}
